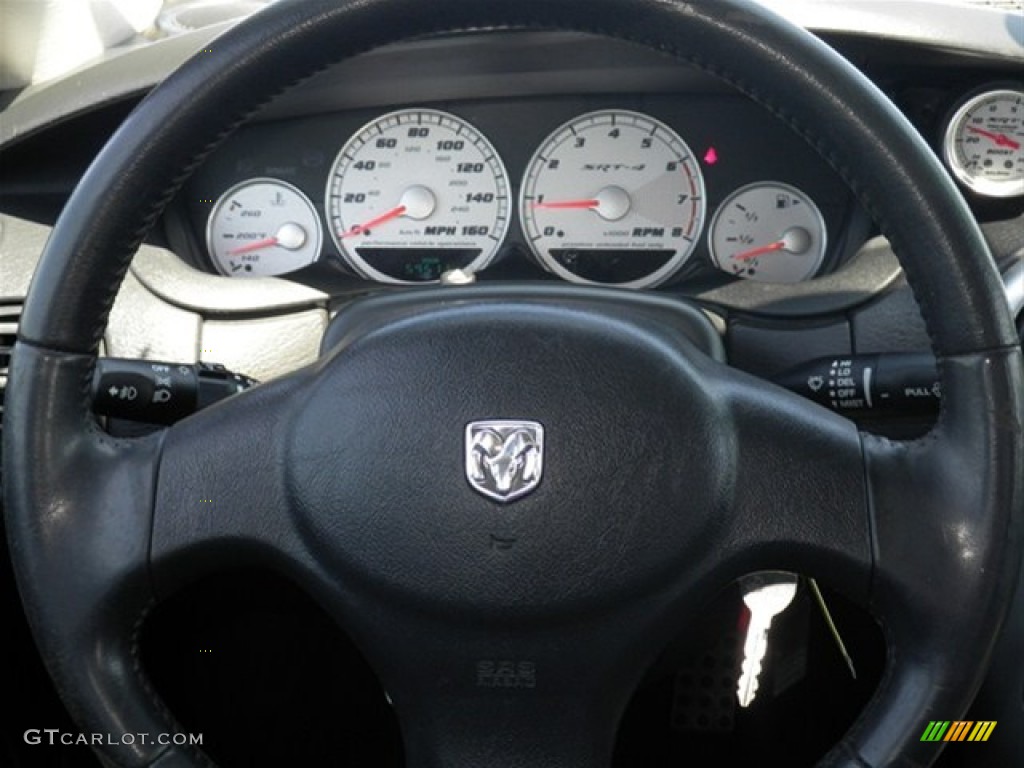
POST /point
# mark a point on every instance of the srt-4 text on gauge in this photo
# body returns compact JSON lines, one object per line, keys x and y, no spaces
{"x":613,"y":197}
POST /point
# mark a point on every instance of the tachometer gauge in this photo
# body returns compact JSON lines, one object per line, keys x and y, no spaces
{"x":613,"y":197}
{"x":768,"y":231}
{"x":417,"y":193}
{"x":984,"y":143}
{"x":263,"y":227}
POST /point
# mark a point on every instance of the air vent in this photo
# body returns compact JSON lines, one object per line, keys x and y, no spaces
{"x":9,"y":315}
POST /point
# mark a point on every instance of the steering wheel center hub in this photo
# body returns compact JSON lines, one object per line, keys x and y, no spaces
{"x":509,"y":454}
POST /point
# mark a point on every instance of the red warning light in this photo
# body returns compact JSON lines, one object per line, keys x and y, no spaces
{"x":711,"y":156}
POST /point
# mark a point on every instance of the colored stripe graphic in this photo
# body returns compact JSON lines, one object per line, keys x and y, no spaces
{"x":935,"y":731}
{"x":982,"y":730}
{"x":958,"y":730}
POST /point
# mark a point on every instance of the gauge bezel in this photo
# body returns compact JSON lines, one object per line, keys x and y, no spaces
{"x":793,"y":190}
{"x":977,"y":184}
{"x":661,"y":275}
{"x":359,"y":265}
{"x":232,"y":190}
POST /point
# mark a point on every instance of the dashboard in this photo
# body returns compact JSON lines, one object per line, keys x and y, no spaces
{"x":526,"y":156}
{"x":588,"y":175}
{"x":727,"y":206}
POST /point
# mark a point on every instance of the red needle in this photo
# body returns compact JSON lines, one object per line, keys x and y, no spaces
{"x":254,"y":246}
{"x":358,"y":229}
{"x":1001,"y":139}
{"x":569,"y":204}
{"x":755,"y":252}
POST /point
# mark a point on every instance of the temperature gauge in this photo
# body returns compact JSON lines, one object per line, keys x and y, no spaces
{"x":768,"y":231}
{"x":263,"y":227}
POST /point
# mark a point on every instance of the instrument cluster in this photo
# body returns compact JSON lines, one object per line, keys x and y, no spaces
{"x":635,"y":195}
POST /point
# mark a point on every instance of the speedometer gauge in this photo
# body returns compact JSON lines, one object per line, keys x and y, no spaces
{"x":417,"y":193}
{"x":613,"y":197}
{"x":984,"y":143}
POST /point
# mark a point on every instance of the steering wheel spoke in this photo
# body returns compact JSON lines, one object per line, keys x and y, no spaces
{"x":469,"y":690}
{"x":939,"y":524}
{"x":82,"y":552}
{"x":508,"y":728}
{"x":799,"y":500}
{"x":465,"y":698}
{"x":221,"y":500}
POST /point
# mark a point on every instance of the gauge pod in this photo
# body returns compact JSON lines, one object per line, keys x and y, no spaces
{"x":263,"y":227}
{"x":613,"y":197}
{"x":984,"y":142}
{"x":768,"y":231}
{"x":417,"y":193}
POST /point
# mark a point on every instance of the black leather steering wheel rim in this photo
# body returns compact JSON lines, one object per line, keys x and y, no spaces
{"x":74,"y":494}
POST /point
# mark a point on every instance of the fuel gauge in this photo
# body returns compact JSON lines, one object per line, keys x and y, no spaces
{"x":263,"y":227}
{"x":768,"y":231}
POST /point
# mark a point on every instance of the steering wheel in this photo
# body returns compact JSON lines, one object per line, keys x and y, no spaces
{"x":665,"y":474}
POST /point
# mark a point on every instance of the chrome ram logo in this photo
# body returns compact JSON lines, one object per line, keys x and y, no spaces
{"x":504,"y":459}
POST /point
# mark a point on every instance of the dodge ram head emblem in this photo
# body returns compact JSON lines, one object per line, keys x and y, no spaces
{"x":504,"y":459}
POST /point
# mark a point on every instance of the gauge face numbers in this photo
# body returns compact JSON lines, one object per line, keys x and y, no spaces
{"x":417,"y":193}
{"x":263,"y":227}
{"x":613,"y":197}
{"x":984,"y":143}
{"x":768,"y":231}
